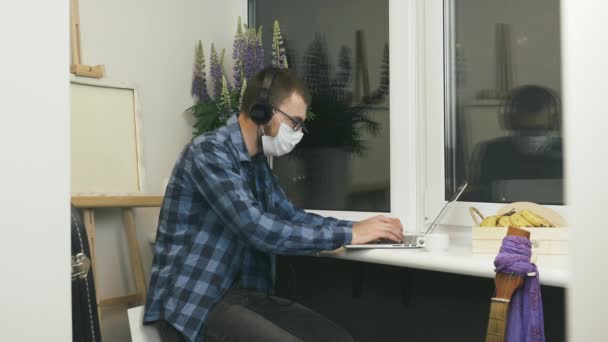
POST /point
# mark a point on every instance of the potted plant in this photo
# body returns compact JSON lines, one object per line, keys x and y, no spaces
{"x":211,"y":112}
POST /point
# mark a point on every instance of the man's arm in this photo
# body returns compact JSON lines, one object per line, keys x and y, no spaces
{"x":373,"y":228}
{"x":218,"y":180}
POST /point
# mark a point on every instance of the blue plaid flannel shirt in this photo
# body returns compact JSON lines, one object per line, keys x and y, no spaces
{"x":223,"y":220}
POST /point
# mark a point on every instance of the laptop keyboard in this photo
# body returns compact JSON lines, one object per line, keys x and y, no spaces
{"x":407,"y":240}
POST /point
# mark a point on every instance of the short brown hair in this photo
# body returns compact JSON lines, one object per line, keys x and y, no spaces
{"x":285,"y":83}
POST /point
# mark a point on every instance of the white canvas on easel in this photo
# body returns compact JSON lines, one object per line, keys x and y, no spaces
{"x":105,"y":138}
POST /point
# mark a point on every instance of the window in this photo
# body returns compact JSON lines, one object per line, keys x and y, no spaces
{"x":491,"y":106}
{"x":341,"y":49}
{"x":502,"y":100}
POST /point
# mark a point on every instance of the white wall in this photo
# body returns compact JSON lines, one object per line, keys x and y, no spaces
{"x":585,"y":74}
{"x":150,"y":44}
{"x":34,"y":145}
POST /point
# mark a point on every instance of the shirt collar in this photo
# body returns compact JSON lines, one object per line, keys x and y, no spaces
{"x":237,"y":138}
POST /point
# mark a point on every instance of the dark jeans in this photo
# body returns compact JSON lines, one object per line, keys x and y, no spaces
{"x":244,"y":315}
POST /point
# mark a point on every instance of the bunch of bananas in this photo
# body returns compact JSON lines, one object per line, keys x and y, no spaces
{"x":523,"y":218}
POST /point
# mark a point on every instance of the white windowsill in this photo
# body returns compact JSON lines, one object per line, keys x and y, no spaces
{"x":459,"y":259}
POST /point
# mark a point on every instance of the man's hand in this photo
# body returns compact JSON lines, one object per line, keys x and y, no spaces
{"x":377,"y":227}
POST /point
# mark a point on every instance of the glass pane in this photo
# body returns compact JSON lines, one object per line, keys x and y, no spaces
{"x":503,"y":89}
{"x":340,"y":48}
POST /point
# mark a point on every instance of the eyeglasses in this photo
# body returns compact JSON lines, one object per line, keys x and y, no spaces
{"x":297,"y":122}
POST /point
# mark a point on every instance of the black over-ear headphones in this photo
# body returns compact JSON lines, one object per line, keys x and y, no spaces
{"x":261,"y":111}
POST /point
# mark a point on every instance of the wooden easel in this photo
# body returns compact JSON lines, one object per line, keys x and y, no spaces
{"x":76,"y":66}
{"x":127,"y":203}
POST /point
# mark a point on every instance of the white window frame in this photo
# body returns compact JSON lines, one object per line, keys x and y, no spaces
{"x":433,"y":167}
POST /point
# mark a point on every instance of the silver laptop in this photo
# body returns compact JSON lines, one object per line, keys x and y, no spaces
{"x":413,"y":240}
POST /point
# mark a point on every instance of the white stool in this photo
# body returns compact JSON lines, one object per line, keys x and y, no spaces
{"x":139,"y":331}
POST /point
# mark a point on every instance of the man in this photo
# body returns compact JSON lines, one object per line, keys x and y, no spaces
{"x":224,"y":218}
{"x":533,"y":150}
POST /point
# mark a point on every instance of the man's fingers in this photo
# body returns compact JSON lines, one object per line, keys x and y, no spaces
{"x":397,"y":231}
{"x":396,"y":235}
{"x":399,"y":234}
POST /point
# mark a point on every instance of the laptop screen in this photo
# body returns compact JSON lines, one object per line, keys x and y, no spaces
{"x":444,"y":210}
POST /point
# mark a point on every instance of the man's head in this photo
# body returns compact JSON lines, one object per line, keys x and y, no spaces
{"x":531,"y":107}
{"x":284,"y":96}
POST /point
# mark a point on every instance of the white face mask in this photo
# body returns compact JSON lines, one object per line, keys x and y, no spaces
{"x":283,"y":143}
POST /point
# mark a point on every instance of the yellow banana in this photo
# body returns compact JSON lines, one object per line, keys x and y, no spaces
{"x":489,"y":221}
{"x":520,"y":221}
{"x":504,"y":221}
{"x":535,"y":219}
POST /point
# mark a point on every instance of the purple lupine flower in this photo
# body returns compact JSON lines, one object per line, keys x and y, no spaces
{"x":199,"y":90}
{"x":275,"y":44}
{"x":225,"y":103}
{"x":241,"y":93}
{"x":215,"y":71}
{"x":237,"y":56}
{"x":279,"y":57}
{"x":222,"y":55}
{"x":249,"y":62}
{"x":199,"y":79}
{"x":259,"y":52}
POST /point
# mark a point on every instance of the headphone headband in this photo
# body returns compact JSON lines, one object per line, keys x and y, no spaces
{"x":266,"y":85}
{"x":261,"y":111}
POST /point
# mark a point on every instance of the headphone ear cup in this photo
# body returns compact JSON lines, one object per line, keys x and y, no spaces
{"x":260,"y":113}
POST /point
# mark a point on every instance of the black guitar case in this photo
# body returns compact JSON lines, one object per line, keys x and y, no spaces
{"x":85,"y":320}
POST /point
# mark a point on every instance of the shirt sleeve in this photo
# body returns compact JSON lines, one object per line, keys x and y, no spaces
{"x":217,"y":178}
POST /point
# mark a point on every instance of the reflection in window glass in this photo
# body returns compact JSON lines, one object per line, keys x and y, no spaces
{"x":503,"y":112}
{"x":340,"y":48}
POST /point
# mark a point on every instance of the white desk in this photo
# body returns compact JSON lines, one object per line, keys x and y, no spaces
{"x":459,"y":259}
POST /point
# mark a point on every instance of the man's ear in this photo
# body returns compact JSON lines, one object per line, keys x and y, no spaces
{"x":271,"y":128}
